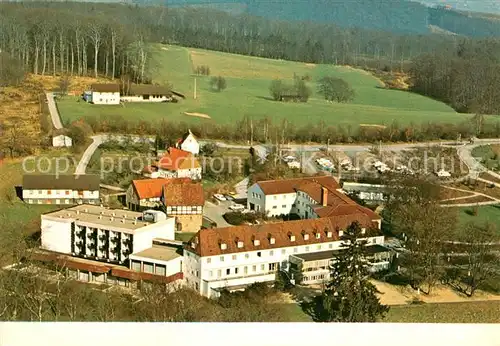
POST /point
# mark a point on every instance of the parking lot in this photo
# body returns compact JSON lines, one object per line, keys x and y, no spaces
{"x":215,"y":210}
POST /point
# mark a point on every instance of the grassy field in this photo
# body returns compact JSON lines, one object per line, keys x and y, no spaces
{"x":469,"y":312}
{"x":247,"y":94}
{"x":489,"y":156}
{"x":488,"y":213}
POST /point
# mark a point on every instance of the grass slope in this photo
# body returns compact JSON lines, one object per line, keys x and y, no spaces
{"x":485,"y":214}
{"x":247,"y":93}
{"x":469,"y":312}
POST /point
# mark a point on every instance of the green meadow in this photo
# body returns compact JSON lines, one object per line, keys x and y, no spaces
{"x":247,"y":94}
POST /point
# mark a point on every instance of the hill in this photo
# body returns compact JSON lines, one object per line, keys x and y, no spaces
{"x":247,"y":94}
{"x":396,"y":16}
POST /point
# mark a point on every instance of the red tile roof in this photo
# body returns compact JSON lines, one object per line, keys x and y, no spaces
{"x":207,"y":241}
{"x":176,"y":159}
{"x":273,"y":187}
{"x":183,"y":195}
{"x":151,"y":188}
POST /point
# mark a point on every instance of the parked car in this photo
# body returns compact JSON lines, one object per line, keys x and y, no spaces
{"x":219,"y":197}
{"x":229,"y":197}
{"x":236,"y":207}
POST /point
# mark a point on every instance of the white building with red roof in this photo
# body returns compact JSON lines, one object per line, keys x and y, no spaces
{"x":146,"y":193}
{"x":175,"y":163}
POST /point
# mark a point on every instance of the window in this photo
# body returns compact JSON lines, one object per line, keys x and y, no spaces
{"x":271,"y":253}
{"x":275,"y":206}
{"x":329,"y":234}
{"x":318,"y":247}
{"x":262,"y":267}
{"x":259,"y":254}
{"x":209,"y":260}
{"x":234,"y":257}
{"x":247,"y":256}
{"x":39,"y":192}
{"x":221,"y":258}
{"x":223,"y":246}
{"x":219,"y":273}
{"x":330,"y":246}
{"x":283,"y":251}
{"x":272,"y":240}
{"x":284,"y":196}
{"x":275,"y":197}
{"x":283,"y":206}
{"x":295,"y":250}
{"x":273,"y":267}
{"x":306,"y":236}
{"x":240,"y":244}
{"x":307,"y":248}
{"x":210,"y":273}
{"x":318,"y":235}
{"x":49,"y":192}
{"x":228,"y":271}
{"x":254,"y":268}
{"x":245,"y":270}
{"x":236,"y":270}
{"x":292,"y":238}
{"x":256,"y":242}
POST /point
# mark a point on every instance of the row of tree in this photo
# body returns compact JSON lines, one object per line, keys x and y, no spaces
{"x":466,"y":78}
{"x":71,"y":42}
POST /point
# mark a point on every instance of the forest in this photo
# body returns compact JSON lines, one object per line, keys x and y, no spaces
{"x":395,"y":16}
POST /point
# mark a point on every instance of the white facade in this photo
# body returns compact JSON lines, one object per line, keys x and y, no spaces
{"x":193,"y":173}
{"x":206,"y":274}
{"x":190,"y":144}
{"x":100,"y":234}
{"x":156,"y":266}
{"x":51,"y":196}
{"x":62,"y":141}
{"x":150,"y":98}
{"x":272,"y":205}
{"x":105,"y":98}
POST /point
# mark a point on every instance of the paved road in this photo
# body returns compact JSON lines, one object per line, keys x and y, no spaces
{"x":475,"y":167}
{"x":54,"y":113}
{"x":97,"y":140}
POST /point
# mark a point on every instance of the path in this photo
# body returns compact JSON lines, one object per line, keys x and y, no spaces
{"x":214,"y":212}
{"x":54,"y":113}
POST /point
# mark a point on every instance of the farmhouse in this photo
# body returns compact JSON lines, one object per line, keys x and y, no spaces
{"x":146,"y":193}
{"x":189,"y":143}
{"x":234,"y":257}
{"x":184,"y":201}
{"x":103,"y":94}
{"x":62,"y":141}
{"x":146,"y":93}
{"x":61,"y":189}
{"x":175,"y":163}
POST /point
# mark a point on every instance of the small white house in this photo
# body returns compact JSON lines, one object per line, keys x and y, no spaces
{"x":62,"y":141}
{"x":189,"y":143}
{"x":104,"y":94}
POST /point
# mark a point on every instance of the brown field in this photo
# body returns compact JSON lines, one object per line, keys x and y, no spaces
{"x":489,"y":177}
{"x":446,"y":193}
{"x":480,"y":187}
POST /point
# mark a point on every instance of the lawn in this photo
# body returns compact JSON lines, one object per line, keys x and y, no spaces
{"x":486,"y":214}
{"x":247,"y":94}
{"x":489,"y":156}
{"x":468,"y":312}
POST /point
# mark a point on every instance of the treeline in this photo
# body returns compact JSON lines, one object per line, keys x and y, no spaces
{"x":466,"y":78}
{"x":199,"y":28}
{"x":265,"y":130}
{"x":59,"y":39}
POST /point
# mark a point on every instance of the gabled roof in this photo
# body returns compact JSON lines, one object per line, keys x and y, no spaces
{"x":151,"y":188}
{"x":190,"y":194}
{"x":148,"y":89}
{"x":176,"y":159}
{"x":186,"y":135}
{"x":274,"y":187}
{"x":88,"y":182}
{"x":207,"y":242}
{"x":105,"y":88}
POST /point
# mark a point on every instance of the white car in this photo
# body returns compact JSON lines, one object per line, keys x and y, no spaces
{"x":236,"y":207}
{"x":219,"y":197}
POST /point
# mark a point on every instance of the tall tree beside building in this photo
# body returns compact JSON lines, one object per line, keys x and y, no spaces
{"x":349,"y":296}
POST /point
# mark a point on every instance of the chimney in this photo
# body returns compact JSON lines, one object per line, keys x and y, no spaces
{"x":324,"y":196}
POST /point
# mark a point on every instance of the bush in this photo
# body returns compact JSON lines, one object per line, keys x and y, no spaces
{"x":238,"y":218}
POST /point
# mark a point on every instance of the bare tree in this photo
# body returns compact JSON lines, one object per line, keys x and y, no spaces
{"x":96,"y":34}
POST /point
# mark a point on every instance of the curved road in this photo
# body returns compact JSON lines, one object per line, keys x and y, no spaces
{"x":54,"y":113}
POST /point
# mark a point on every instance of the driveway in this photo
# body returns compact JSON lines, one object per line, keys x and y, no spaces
{"x":214,"y":212}
{"x":54,"y":113}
